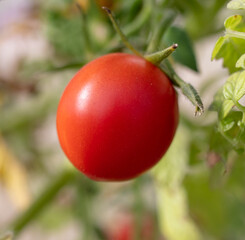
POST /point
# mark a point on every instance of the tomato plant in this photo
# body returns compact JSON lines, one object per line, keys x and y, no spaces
{"x":117,"y":117}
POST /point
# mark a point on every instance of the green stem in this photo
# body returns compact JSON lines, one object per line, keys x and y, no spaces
{"x":157,"y":35}
{"x":85,"y":32}
{"x":134,"y":26}
{"x":140,"y":20}
{"x":236,"y":34}
{"x":45,"y":198}
{"x":83,"y":207}
{"x":138,"y":208}
{"x":118,"y":30}
{"x":239,"y":106}
{"x":158,"y":57}
{"x":243,"y":118}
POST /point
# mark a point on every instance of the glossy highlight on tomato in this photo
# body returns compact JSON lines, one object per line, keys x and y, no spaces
{"x":117,"y":117}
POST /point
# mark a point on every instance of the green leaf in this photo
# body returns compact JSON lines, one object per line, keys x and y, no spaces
{"x":227,"y":124}
{"x":185,"y":53}
{"x":226,"y":107}
{"x":231,"y":46}
{"x":234,"y":88}
{"x":230,"y":49}
{"x":217,"y":103}
{"x":234,"y":22}
{"x":218,"y":47}
{"x":241,"y":62}
{"x":221,"y":105}
{"x":236,"y":4}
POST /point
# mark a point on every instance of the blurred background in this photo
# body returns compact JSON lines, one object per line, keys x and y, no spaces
{"x":196,"y":192}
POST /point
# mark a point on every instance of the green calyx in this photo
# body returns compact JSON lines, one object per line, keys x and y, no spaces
{"x":157,"y":57}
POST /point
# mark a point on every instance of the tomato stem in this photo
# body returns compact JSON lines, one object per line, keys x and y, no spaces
{"x":157,"y":57}
{"x":85,"y":32}
{"x":119,"y":31}
{"x":158,"y":33}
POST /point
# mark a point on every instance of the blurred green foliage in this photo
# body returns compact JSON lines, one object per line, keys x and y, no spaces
{"x":203,"y":174}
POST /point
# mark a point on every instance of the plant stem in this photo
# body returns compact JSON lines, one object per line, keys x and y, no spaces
{"x":236,"y":34}
{"x":158,"y":57}
{"x":239,"y":106}
{"x":45,"y":198}
{"x":83,"y":206}
{"x":140,"y":20}
{"x":157,"y":35}
{"x":243,"y":118}
{"x":118,"y":30}
{"x":86,"y":36}
{"x":138,"y":208}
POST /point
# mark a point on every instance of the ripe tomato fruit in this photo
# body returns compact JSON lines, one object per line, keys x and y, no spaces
{"x":117,"y":117}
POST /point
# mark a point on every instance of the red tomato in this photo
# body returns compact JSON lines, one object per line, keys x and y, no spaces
{"x":117,"y":117}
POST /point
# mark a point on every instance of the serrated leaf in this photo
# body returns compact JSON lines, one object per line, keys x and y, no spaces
{"x":236,"y":4}
{"x":221,"y":105}
{"x":241,"y":62}
{"x":228,"y":47}
{"x":234,"y":88}
{"x":185,"y":53}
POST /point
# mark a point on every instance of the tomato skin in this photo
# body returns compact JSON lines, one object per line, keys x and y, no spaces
{"x":117,"y":117}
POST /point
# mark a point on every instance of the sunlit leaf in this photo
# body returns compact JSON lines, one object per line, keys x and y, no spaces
{"x":241,"y":62}
{"x":228,"y":47}
{"x":234,"y":88}
{"x":235,"y":22}
{"x":226,"y":107}
{"x":185,"y":53}
{"x":236,"y":4}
